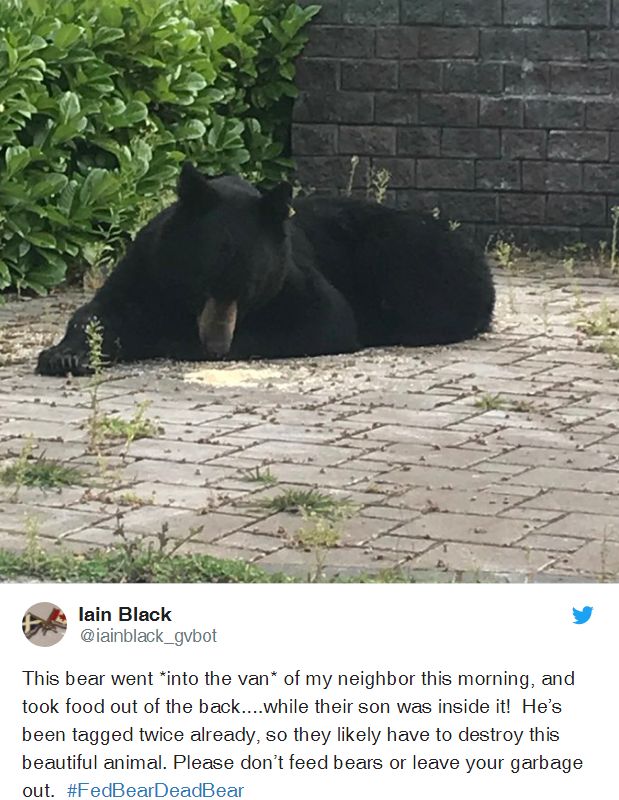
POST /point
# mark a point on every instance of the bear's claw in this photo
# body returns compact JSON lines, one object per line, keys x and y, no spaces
{"x":58,"y":361}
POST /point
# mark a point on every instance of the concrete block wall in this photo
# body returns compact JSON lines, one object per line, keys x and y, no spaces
{"x":503,"y":113}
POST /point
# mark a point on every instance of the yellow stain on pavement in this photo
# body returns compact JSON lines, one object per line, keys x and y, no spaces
{"x":231,"y":376}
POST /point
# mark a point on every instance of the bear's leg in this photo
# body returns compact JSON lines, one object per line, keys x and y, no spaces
{"x":125,"y":332}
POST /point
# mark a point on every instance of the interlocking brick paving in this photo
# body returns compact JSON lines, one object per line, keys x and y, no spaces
{"x":496,"y":459}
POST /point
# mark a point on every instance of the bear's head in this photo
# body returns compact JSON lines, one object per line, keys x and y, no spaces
{"x":227,"y":243}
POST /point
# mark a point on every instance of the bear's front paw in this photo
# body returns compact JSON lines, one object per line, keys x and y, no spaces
{"x":59,"y":360}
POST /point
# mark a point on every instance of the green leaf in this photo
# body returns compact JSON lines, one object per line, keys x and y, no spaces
{"x":69,"y":106}
{"x":240,"y":12}
{"x":37,"y":7}
{"x":192,"y":129}
{"x":16,"y":158}
{"x":43,"y":277}
{"x":98,"y":185}
{"x":107,"y":36}
{"x":54,"y":215}
{"x":66,"y":198}
{"x":188,"y":41}
{"x":41,"y":239}
{"x":5,"y":275}
{"x":49,"y":185}
{"x":142,"y":154}
{"x":67,"y":35}
{"x":148,"y":61}
{"x":110,"y":14}
{"x":63,"y":133}
{"x":135,"y":111}
{"x":190,"y":83}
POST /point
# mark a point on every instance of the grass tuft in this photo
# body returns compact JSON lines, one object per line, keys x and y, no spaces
{"x":130,"y":560}
{"x":138,"y":427}
{"x":490,"y":402}
{"x":309,"y":502}
{"x":259,"y":475}
{"x":41,"y":472}
{"x":604,"y":321}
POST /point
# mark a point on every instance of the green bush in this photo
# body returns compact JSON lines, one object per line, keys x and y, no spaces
{"x":101,"y":101}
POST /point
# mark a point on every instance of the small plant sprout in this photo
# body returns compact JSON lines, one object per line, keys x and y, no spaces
{"x":138,"y":427}
{"x":94,"y":336}
{"x":568,"y":266}
{"x":104,"y":427}
{"x":319,"y":536}
{"x":504,"y":253}
{"x":602,"y":255}
{"x":614,"y":214}
{"x":259,"y":475}
{"x":134,"y":500}
{"x":602,"y":325}
{"x":490,"y":402}
{"x":354,"y":163}
{"x":610,"y":347}
{"x":377,"y":182}
{"x":604,"y":321}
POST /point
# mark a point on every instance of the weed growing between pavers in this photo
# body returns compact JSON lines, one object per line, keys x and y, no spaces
{"x":602,"y":325}
{"x":604,"y":321}
{"x":614,"y":212}
{"x":129,"y":560}
{"x":504,"y":252}
{"x":101,"y":427}
{"x":496,"y":402}
{"x":318,"y":536}
{"x":575,"y":287}
{"x":94,"y":335}
{"x":321,"y":512}
{"x":107,"y":566}
{"x":138,"y":427}
{"x":134,"y":500}
{"x":40,"y":472}
{"x":136,"y":561}
{"x":259,"y":475}
{"x":610,"y":347}
{"x":133,"y":560}
{"x":309,"y":502}
{"x":490,"y":402}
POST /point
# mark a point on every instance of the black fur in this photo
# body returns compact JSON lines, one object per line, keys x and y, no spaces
{"x":337,"y":276}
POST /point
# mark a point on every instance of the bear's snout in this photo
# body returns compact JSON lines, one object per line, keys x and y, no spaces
{"x":216,"y":325}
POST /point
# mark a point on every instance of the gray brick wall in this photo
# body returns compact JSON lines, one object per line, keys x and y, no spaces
{"x":503,"y":113}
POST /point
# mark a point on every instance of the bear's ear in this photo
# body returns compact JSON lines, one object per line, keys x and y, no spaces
{"x":194,"y":189}
{"x":276,"y":204}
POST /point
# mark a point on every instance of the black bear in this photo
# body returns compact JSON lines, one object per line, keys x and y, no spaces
{"x":228,"y":272}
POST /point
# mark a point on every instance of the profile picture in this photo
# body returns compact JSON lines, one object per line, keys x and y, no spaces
{"x":44,"y":624}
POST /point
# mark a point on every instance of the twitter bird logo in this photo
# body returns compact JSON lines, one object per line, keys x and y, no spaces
{"x":580,"y":617}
